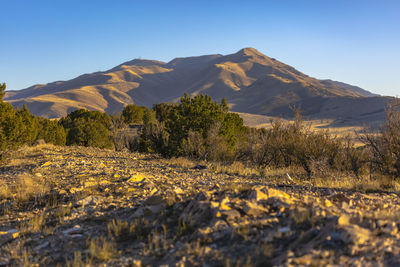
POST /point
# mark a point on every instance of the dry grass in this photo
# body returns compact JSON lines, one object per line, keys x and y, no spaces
{"x":181,"y":162}
{"x":236,"y":168}
{"x":102,"y":249}
{"x":24,"y":188}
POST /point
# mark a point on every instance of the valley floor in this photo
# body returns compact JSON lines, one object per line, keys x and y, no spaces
{"x":81,"y":206}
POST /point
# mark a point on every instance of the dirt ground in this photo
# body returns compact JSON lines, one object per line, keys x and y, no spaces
{"x":76,"y":206}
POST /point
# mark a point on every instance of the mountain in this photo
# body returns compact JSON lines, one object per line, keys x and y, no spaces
{"x":251,"y":81}
{"x":349,"y":87}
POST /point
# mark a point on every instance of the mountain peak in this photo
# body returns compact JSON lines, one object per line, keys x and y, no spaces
{"x":250,"y":51}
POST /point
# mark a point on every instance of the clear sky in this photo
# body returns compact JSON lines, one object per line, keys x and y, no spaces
{"x":353,"y":41}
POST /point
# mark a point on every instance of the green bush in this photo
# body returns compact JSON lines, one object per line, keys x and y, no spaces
{"x":88,"y":128}
{"x":133,"y":114}
{"x":177,"y":126}
{"x":51,"y":131}
{"x":17,"y":127}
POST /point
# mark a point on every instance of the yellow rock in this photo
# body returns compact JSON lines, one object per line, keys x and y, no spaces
{"x":277,"y":193}
{"x":223,"y":205}
{"x":73,"y":190}
{"x":328,"y":203}
{"x":344,"y":220}
{"x":15,"y":235}
{"x":62,"y":192}
{"x":104,"y":182}
{"x":90,"y":184}
{"x":136,"y":178}
{"x":258,"y":195}
{"x":214,"y":204}
{"x":48,"y":163}
{"x":11,"y":233}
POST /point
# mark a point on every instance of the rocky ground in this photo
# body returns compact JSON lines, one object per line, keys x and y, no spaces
{"x":82,"y":206}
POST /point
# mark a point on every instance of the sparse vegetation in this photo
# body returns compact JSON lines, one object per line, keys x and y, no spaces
{"x":88,"y":128}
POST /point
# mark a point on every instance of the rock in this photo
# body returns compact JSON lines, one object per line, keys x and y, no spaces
{"x":196,"y":212}
{"x":303,"y":260}
{"x":137,"y":178}
{"x":343,"y":220}
{"x":340,"y":197}
{"x":253,"y":209}
{"x":62,"y":192}
{"x":74,"y":230}
{"x":387,"y":227}
{"x":284,"y":229}
{"x":263,"y":193}
{"x":200,"y":167}
{"x":154,"y":200}
{"x":46,"y":164}
{"x":202,"y":196}
{"x":90,"y":200}
{"x":104,"y":182}
{"x":6,"y":236}
{"x":229,"y":214}
{"x":328,"y":203}
{"x":355,"y":234}
{"x":178,"y":190}
{"x":257,"y":195}
{"x":223,"y":204}
{"x":154,"y":209}
{"x":41,"y":246}
{"x":90,"y":184}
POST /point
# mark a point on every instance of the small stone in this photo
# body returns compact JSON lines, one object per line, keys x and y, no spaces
{"x":104,"y":182}
{"x":257,"y":195}
{"x":178,"y":190}
{"x":154,"y":200}
{"x":305,"y":260}
{"x":328,"y":203}
{"x":284,"y":229}
{"x":137,"y":178}
{"x":41,"y":246}
{"x":48,"y":163}
{"x":74,"y":230}
{"x":253,"y":209}
{"x":343,"y":220}
{"x":90,"y":184}
{"x":356,"y":235}
{"x":62,"y":192}
{"x":90,"y":200}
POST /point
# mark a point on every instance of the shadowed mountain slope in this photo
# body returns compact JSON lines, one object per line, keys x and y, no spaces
{"x":251,"y":81}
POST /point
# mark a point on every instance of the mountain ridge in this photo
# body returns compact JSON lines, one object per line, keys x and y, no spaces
{"x":250,"y":81}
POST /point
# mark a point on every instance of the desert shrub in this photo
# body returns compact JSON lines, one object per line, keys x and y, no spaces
{"x":179,"y":126}
{"x":352,"y":158}
{"x":17,"y":127}
{"x":88,"y":128}
{"x":163,"y":111}
{"x":154,"y":138}
{"x":291,"y":144}
{"x":2,"y":91}
{"x":51,"y":131}
{"x":194,"y":145}
{"x":149,"y":116}
{"x":385,"y":146}
{"x":133,"y":114}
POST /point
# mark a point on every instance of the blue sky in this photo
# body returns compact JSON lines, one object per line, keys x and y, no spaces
{"x":353,"y":41}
